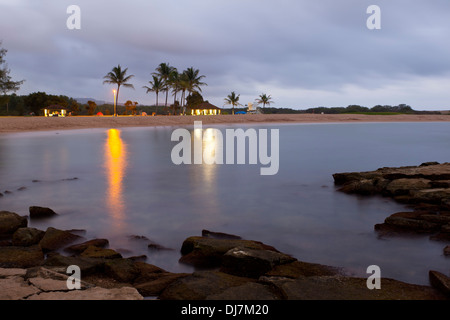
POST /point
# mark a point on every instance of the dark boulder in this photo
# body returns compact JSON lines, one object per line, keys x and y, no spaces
{"x":252,"y":263}
{"x":440,"y":281}
{"x":202,"y":252}
{"x":160,"y":281}
{"x":200,"y":285}
{"x":96,"y":252}
{"x":55,"y":239}
{"x":21,"y":257}
{"x":10,"y":222}
{"x":122,"y":270}
{"x":87,"y":266}
{"x":27,"y":237}
{"x":41,"y":212}
{"x":80,"y":247}
{"x":218,"y":235}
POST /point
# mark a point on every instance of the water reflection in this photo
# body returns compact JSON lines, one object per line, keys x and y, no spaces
{"x":206,"y":181}
{"x":116,"y":163}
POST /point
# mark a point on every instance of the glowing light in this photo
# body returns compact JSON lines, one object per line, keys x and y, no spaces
{"x":116,"y":163}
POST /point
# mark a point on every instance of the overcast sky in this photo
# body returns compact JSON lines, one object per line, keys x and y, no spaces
{"x":303,"y":53}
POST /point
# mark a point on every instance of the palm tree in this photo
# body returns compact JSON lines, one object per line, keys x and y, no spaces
{"x":183,"y":87}
{"x":264,"y":99}
{"x":192,"y":81}
{"x":156,"y":86}
{"x":175,"y":84}
{"x":163,"y":71}
{"x":233,"y":100}
{"x":118,"y":76}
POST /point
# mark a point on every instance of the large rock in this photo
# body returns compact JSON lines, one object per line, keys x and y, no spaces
{"x":160,"y":282}
{"x":21,"y":257}
{"x":88,"y":266}
{"x":252,"y":263}
{"x":404,"y":186}
{"x":55,"y":239}
{"x":440,"y":281}
{"x":247,"y":291}
{"x":41,"y":212}
{"x":27,"y":237}
{"x":299,"y":269}
{"x":122,"y":270}
{"x":412,"y":224}
{"x":349,"y":288}
{"x":96,"y":252}
{"x":80,"y":247}
{"x":200,"y":285}
{"x":10,"y":222}
{"x":203,"y":252}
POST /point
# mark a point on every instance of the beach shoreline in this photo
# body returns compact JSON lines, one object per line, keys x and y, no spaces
{"x":29,"y":124}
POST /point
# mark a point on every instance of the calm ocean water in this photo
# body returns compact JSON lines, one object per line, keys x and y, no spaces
{"x":127,"y":185}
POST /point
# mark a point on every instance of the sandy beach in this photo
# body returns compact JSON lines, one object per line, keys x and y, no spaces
{"x":24,"y":124}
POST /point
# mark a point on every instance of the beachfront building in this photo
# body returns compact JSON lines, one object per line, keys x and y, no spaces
{"x":205,"y":108}
{"x":55,"y":111}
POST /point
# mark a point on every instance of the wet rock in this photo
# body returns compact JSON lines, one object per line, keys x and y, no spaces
{"x":80,"y":247}
{"x":96,"y":252}
{"x":147,"y":272}
{"x":87,"y":266}
{"x":247,"y":291}
{"x":157,"y":247}
{"x":440,"y":281}
{"x":56,"y":239}
{"x":160,"y":282}
{"x":404,"y":186}
{"x":138,"y":237}
{"x":349,"y":288}
{"x":21,"y":257}
{"x":437,"y":195}
{"x":10,"y":222}
{"x":200,"y":285}
{"x":69,"y":179}
{"x":447,"y":251}
{"x":122,"y":270}
{"x":41,"y":212}
{"x":141,"y":257}
{"x":252,"y":263}
{"x":299,"y":269}
{"x":205,"y":252}
{"x":5,"y":243}
{"x":412,"y":224}
{"x":218,"y":235}
{"x":435,"y":218}
{"x":21,"y":188}
{"x":362,"y":187}
{"x":27,"y":237}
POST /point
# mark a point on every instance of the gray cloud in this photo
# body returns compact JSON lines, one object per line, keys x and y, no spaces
{"x":303,"y":53}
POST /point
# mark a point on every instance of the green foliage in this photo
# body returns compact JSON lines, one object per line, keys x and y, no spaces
{"x":91,"y":106}
{"x":193,"y":100}
{"x":6,"y":83}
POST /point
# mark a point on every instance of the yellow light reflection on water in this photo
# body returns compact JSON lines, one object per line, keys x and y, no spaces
{"x":116,"y":163}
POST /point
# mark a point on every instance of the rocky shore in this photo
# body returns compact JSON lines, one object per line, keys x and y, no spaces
{"x":34,"y":266}
{"x":424,"y":189}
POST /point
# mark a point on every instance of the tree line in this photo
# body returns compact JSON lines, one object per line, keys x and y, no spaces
{"x":165,"y":79}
